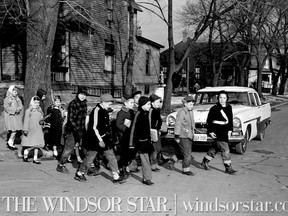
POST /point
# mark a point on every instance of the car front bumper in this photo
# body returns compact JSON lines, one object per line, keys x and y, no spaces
{"x":232,"y":139}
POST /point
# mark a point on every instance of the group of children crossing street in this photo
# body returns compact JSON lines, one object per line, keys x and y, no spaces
{"x":136,"y":130}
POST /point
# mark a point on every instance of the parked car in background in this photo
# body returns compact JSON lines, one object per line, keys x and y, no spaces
{"x":250,"y":116}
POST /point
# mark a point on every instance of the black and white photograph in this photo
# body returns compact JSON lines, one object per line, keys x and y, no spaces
{"x":143,"y":107}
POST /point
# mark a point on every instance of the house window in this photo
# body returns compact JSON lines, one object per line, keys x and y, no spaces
{"x":197,"y":73}
{"x":60,"y":59}
{"x":147,"y":63}
{"x":109,"y":56}
{"x":110,"y":15}
{"x":146,"y":90}
{"x":109,"y":4}
{"x":108,"y":63}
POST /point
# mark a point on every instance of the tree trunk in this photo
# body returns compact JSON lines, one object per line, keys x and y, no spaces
{"x":215,"y":74}
{"x":259,"y":75}
{"x":1,"y":69}
{"x":284,"y":75}
{"x":282,"y":85}
{"x":129,"y":85}
{"x":41,"y":29}
{"x":275,"y":78}
{"x":281,"y":73}
{"x":168,"y":89}
{"x":242,"y":71}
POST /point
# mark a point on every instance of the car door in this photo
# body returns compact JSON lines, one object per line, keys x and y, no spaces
{"x":254,"y":114}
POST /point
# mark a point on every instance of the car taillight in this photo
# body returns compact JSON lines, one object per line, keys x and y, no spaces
{"x":171,"y":121}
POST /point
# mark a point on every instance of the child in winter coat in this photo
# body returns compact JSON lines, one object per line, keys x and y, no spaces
{"x":184,"y":132}
{"x":156,"y":122}
{"x":123,"y":127}
{"x":55,"y":118}
{"x":140,"y":135}
{"x":13,"y":114}
{"x":33,"y":134}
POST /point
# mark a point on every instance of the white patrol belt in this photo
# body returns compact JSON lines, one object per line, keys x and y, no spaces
{"x":220,"y":122}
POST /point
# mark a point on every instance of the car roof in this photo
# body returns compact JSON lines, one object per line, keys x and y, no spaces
{"x":227,"y":88}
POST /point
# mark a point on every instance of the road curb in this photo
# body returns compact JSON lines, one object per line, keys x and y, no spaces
{"x":278,"y":105}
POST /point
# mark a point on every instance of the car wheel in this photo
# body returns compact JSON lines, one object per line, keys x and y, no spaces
{"x":241,"y":147}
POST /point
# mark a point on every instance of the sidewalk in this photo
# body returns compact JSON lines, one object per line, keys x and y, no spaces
{"x":6,"y":154}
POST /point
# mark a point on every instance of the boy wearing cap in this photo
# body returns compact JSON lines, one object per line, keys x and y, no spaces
{"x":123,"y":127}
{"x":184,"y":132}
{"x":98,"y":138}
{"x":140,"y":135}
{"x":136,"y":162}
{"x":74,"y":128}
{"x":156,"y":123}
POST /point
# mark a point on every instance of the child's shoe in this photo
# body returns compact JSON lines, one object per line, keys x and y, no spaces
{"x":36,"y":162}
{"x":80,"y":178}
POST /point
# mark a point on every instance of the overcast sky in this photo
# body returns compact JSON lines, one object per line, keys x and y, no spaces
{"x":153,"y":28}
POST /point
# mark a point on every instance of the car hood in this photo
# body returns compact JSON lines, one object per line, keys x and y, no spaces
{"x":201,"y":111}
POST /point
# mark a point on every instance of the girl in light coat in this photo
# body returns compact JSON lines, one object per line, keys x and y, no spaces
{"x":33,"y":134}
{"x":13,"y":114}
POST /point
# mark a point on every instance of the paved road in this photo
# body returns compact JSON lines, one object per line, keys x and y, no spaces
{"x":258,"y":188}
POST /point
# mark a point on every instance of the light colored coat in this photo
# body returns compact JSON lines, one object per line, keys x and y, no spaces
{"x":13,"y":111}
{"x":185,"y":124}
{"x":35,"y":137}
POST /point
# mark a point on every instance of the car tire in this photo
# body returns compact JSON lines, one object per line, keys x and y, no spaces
{"x":241,"y":147}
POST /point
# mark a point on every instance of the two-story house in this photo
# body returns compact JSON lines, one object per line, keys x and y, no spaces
{"x":91,"y":52}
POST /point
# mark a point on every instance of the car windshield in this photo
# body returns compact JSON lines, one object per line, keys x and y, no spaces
{"x":211,"y":98}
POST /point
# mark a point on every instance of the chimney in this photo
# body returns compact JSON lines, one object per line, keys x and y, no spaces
{"x":139,"y":31}
{"x":185,"y":33}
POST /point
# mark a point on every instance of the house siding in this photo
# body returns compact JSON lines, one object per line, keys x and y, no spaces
{"x":12,"y":65}
{"x":86,"y":49}
{"x":139,"y":69}
{"x":87,"y":52}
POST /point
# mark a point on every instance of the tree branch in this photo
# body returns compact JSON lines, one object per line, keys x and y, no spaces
{"x":157,"y":6}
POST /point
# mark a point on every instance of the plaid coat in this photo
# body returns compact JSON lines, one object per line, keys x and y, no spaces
{"x":77,"y":111}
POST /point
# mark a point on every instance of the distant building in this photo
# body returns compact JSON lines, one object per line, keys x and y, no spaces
{"x":146,"y":70}
{"x":197,"y":67}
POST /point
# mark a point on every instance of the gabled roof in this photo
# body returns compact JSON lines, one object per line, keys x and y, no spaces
{"x":152,"y":43}
{"x":136,"y":6}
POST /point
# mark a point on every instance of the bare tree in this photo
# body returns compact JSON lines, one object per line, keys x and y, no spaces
{"x":156,"y":8}
{"x":41,"y":27}
{"x":204,"y":23}
{"x":276,"y":30}
{"x":39,"y":19}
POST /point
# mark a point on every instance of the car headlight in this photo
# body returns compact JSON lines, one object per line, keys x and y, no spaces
{"x":237,"y":123}
{"x":171,"y":121}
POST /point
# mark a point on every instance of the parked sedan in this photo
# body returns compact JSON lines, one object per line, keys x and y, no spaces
{"x":250,"y":116}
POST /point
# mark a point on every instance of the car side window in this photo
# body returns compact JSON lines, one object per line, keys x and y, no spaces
{"x":257,"y":99}
{"x":252,"y":99}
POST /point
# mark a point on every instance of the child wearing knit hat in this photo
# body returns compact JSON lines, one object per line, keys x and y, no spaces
{"x":140,"y":135}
